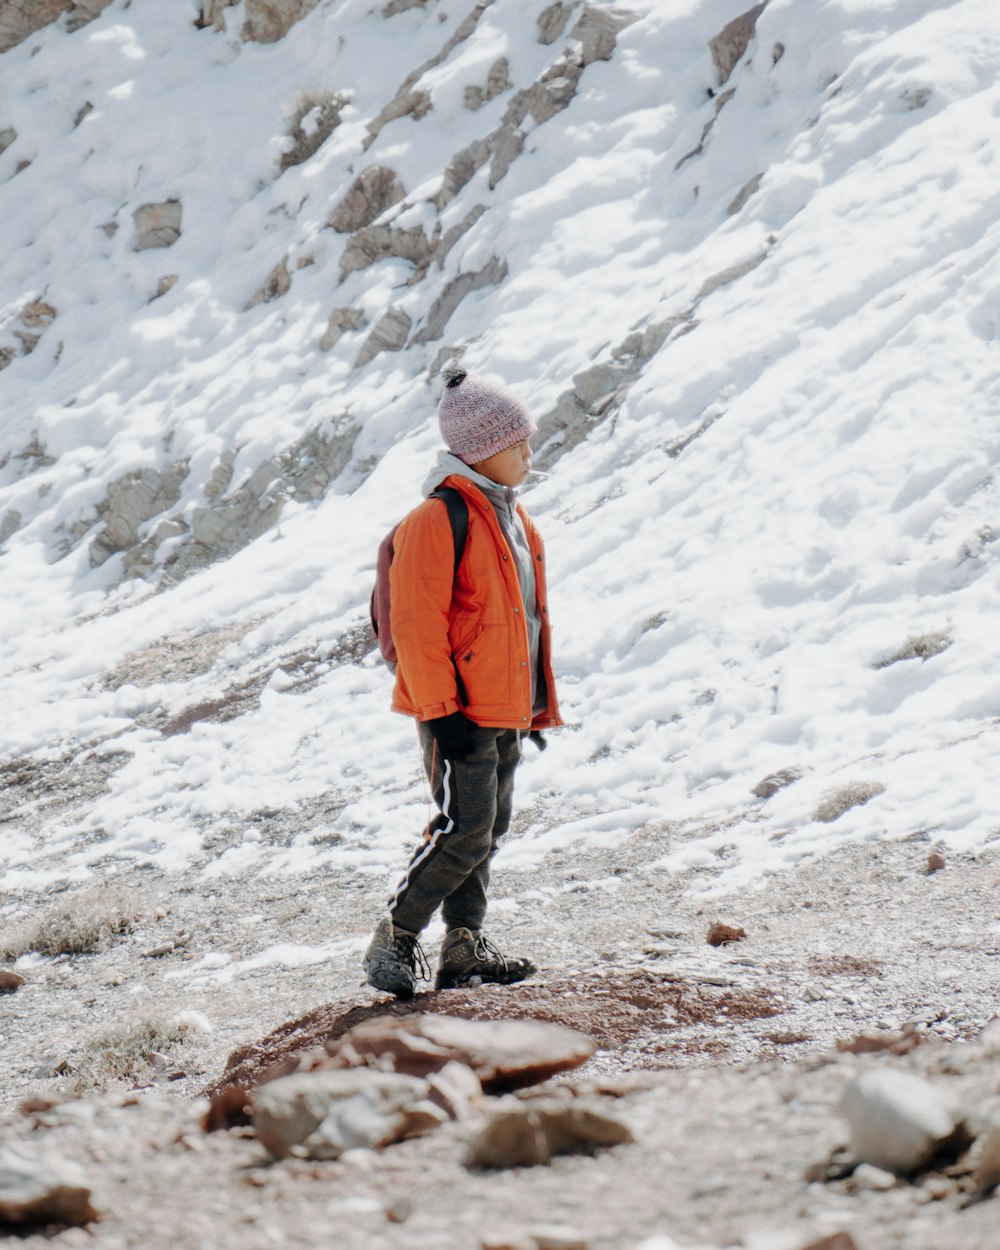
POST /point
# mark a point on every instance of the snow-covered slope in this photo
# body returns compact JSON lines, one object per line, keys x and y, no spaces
{"x":758,"y":321}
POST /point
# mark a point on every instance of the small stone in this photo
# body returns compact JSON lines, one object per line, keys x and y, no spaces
{"x":720,"y":934}
{"x":556,"y":1237}
{"x":399,"y":1212}
{"x":835,"y":1241}
{"x":157,"y":225}
{"x":528,"y":1134}
{"x":10,"y":981}
{"x":512,"y":1241}
{"x":935,"y":862}
{"x":868,"y":1177}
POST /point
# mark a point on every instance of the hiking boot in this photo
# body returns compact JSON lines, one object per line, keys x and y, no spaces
{"x":394,"y":960}
{"x":467,"y":958}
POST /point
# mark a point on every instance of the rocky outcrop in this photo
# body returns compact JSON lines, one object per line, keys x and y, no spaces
{"x":341,"y":322}
{"x":497,"y":82}
{"x":492,"y":274}
{"x":732,"y":41}
{"x":277,"y":283}
{"x":267,"y":21}
{"x":598,"y":31}
{"x":157,"y":225}
{"x":389,"y":334}
{"x":374,"y":243}
{"x":21,"y":18}
{"x":553,"y":21}
{"x":132,"y":501}
{"x":375,"y":190}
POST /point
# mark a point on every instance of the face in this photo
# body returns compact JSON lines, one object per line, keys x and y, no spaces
{"x":509,"y":467}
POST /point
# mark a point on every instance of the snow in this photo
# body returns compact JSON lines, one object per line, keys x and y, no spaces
{"x":723,"y":599}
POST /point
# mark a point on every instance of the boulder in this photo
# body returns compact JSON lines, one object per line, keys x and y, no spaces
{"x":267,"y":21}
{"x":731,"y":42}
{"x":552,"y":21}
{"x":504,"y":1054}
{"x":37,"y":1191}
{"x":131,"y":501}
{"x":157,"y":225}
{"x":21,"y":18}
{"x":9,"y":981}
{"x":320,"y":1114}
{"x":375,"y":243}
{"x":373,"y":191}
{"x":497,"y":82}
{"x":528,"y":1134}
{"x":901,"y":1122}
{"x":277,"y":283}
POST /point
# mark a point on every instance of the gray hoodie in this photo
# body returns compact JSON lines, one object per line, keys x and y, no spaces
{"x":503,"y":499}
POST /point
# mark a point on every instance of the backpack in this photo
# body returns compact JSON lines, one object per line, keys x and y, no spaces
{"x":379,"y":607}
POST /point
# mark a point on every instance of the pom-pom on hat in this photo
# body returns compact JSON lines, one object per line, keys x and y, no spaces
{"x":478,"y":419}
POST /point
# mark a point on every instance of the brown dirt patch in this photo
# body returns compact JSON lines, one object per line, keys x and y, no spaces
{"x":844,"y":966}
{"x":615,"y":1012}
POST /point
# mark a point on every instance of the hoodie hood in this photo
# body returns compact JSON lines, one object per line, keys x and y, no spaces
{"x":448,"y":465}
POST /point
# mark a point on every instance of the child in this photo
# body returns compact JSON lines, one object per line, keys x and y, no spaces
{"x":474,"y":669}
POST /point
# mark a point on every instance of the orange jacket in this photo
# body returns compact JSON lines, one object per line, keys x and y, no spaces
{"x":472,"y":622}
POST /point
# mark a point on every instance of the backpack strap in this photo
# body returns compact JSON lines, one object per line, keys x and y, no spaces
{"x":458,"y":515}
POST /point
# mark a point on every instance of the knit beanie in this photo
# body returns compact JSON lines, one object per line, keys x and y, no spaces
{"x":478,"y":419}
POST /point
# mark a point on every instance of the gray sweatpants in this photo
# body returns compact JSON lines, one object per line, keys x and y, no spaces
{"x":451,"y":867}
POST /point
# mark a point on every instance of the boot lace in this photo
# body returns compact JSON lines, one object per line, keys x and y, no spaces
{"x":412,"y":953}
{"x":484,"y":950}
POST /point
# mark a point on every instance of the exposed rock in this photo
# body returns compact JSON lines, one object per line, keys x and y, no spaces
{"x":267,"y":21}
{"x":81,"y":12}
{"x":400,"y":6}
{"x":165,"y":284}
{"x":553,"y":92}
{"x":157,"y":225}
{"x":988,"y":1168}
{"x":10,"y":981}
{"x":497,"y":82}
{"x":21,"y":18}
{"x":38,"y":315}
{"x":373,"y":191}
{"x":598,"y":31}
{"x":461,"y":169}
{"x":528,"y":1134}
{"x":553,"y":20}
{"x":389,"y":334}
{"x":232,"y":1108}
{"x":233,"y":520}
{"x":213,"y":13}
{"x":745,"y":192}
{"x":278,"y":283}
{"x":935,"y":861}
{"x":720,"y":934}
{"x":731,"y":42}
{"x":321,"y":1114}
{"x":33,"y":1191}
{"x":835,"y":1241}
{"x":900,"y":1122}
{"x":131,"y":501}
{"x":406,"y":103}
{"x":492,"y":274}
{"x":773,"y":782}
{"x":11,"y":522}
{"x":375,"y":243}
{"x":504,"y":1054}
{"x":342,"y":320}
{"x":507,"y":148}
{"x":726,"y":276}
{"x":7,"y":136}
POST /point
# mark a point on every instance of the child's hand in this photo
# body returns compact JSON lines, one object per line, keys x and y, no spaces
{"x":454,"y":734}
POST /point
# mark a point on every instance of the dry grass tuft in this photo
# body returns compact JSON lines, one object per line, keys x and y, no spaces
{"x":918,"y":647}
{"x":125,"y":1053}
{"x":835,"y":802}
{"x":322,"y":109}
{"x":75,"y":924}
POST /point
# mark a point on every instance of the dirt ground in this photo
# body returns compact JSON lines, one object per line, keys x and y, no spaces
{"x":723,"y":1061}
